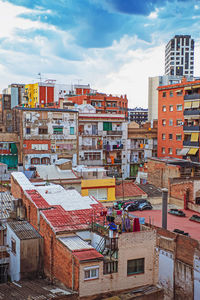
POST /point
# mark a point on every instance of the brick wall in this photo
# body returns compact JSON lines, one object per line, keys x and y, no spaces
{"x":178,"y":189}
{"x":159,"y":173}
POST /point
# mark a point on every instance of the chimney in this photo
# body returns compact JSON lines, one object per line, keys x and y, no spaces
{"x":164,"y":208}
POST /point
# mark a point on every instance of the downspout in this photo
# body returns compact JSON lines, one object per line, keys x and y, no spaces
{"x":175,"y":255}
{"x":72,"y":273}
{"x":51,"y":260}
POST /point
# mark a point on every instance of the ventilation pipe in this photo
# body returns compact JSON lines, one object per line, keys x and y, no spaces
{"x":164,"y":208}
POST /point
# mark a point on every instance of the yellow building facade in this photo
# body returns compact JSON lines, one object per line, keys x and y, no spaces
{"x":101,"y":189}
{"x":32,"y":92}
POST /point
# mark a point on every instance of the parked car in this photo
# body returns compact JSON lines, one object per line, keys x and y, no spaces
{"x":144,"y":205}
{"x":176,"y":212}
{"x":131,"y":206}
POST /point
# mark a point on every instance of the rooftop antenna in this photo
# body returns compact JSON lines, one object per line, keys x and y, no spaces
{"x":40,"y":76}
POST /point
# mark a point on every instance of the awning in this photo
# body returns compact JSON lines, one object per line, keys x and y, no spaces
{"x":187,"y":104}
{"x":178,"y":91}
{"x":184,"y":151}
{"x":193,"y":151}
{"x":196,"y":86}
{"x":195,"y":104}
{"x":187,"y":88}
{"x":194,"y":137}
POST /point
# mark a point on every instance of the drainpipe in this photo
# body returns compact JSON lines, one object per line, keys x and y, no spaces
{"x":51,"y":259}
{"x":164,"y":208}
{"x":72,"y":273}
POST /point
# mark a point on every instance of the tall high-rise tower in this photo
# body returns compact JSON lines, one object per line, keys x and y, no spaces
{"x":179,"y":56}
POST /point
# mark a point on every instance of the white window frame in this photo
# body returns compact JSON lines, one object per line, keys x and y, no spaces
{"x":170,"y":122}
{"x":171,"y":108}
{"x":90,"y":269}
{"x":163,"y":136}
{"x":163,"y":150}
{"x":164,"y":108}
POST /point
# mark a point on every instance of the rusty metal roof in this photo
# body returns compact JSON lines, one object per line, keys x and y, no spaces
{"x":23,"y":230}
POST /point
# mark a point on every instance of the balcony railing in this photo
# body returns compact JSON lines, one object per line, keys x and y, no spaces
{"x":114,"y":132}
{"x":191,"y":128}
{"x":113,"y":147}
{"x":89,"y":133}
{"x":192,"y":97}
{"x":189,"y":143}
{"x":99,"y":147}
{"x":190,"y":112}
{"x":88,"y":162}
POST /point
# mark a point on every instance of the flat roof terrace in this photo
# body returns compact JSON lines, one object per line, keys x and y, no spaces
{"x":173,"y":222}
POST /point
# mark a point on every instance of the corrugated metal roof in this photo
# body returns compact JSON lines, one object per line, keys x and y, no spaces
{"x":24,"y":230}
{"x":75,"y":243}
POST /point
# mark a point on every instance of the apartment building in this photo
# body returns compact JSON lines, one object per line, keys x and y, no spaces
{"x":178,"y":123}
{"x":83,"y":94}
{"x":79,"y":250}
{"x":46,"y":134}
{"x":179,"y":56}
{"x":142,"y":144}
{"x":170,"y":120}
{"x":103,"y":140}
{"x":138,"y":115}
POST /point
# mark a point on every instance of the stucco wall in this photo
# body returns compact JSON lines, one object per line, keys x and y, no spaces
{"x":133,"y":245}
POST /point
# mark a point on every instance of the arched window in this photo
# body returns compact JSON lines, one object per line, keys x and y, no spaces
{"x":45,"y":161}
{"x":35,"y":161}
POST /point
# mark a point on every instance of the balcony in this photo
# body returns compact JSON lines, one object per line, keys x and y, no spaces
{"x":191,"y":128}
{"x":192,"y":97}
{"x":89,"y":133}
{"x":114,"y":132}
{"x":113,"y":147}
{"x":191,"y":144}
{"x":190,"y":112}
{"x":87,"y":162}
{"x":99,"y":147}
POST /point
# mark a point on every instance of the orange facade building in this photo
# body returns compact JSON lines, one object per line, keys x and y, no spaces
{"x":179,"y":120}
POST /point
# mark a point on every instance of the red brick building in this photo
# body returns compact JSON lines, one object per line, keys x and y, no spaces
{"x":103,"y":103}
{"x":77,"y":248}
{"x":178,"y":120}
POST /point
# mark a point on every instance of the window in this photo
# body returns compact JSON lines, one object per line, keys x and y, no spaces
{"x":42,"y":130}
{"x":179,"y":93}
{"x":164,"y":108}
{"x":170,"y":136}
{"x":58,"y":130}
{"x":110,"y":267}
{"x":171,"y":108}
{"x":135,"y":266}
{"x":71,"y":130}
{"x":170,"y":150}
{"x":178,"y":151}
{"x":179,"y":107}
{"x":35,"y":161}
{"x":163,"y":136}
{"x":45,"y":161}
{"x":91,"y":273}
{"x":13,"y":246}
{"x":171,"y":93}
{"x":170,"y":122}
{"x":178,"y":137}
{"x":164,"y":94}
{"x":163,"y":122}
{"x":39,"y":146}
{"x":163,"y":150}
{"x":28,"y":130}
{"x":179,"y":122}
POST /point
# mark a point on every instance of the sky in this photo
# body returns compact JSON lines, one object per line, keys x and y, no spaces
{"x":114,"y":45}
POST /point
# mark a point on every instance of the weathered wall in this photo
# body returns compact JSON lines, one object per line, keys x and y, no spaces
{"x":159,"y":173}
{"x":131,"y":246}
{"x":183,"y":281}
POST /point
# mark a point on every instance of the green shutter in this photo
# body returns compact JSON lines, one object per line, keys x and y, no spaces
{"x":13,"y":148}
{"x":107,"y":126}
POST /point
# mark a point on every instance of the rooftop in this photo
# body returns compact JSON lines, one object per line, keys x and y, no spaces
{"x":173,"y":222}
{"x":45,"y":109}
{"x":128,"y":189}
{"x":23,"y":230}
{"x":151,"y":190}
{"x":50,"y":172}
{"x":32,"y":289}
{"x":75,"y":243}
